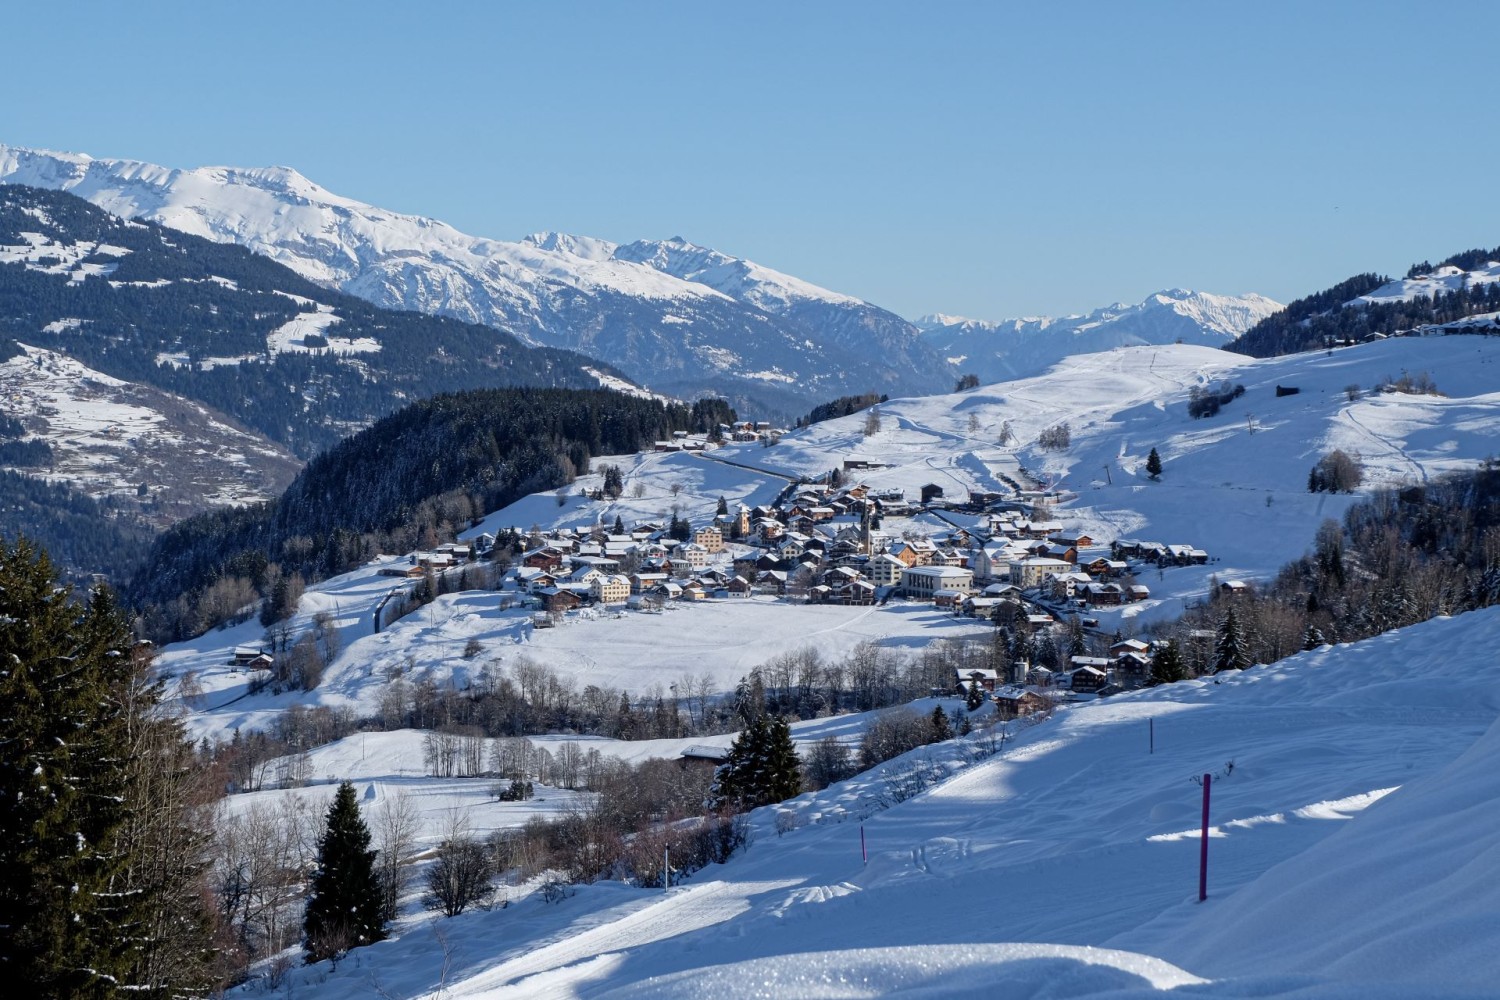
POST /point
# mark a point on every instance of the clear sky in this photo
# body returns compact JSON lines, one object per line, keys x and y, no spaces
{"x":984,"y":159}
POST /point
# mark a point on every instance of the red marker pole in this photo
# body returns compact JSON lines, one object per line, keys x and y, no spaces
{"x":864,"y":855}
{"x":1208,"y":780}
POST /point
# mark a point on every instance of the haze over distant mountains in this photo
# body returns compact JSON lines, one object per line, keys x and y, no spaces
{"x":1018,"y":348}
{"x":680,"y":318}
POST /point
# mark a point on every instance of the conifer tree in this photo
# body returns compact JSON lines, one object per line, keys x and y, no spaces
{"x":723,"y":509}
{"x":619,"y":525}
{"x":1167,"y":666}
{"x":1153,"y":465}
{"x":344,"y":909}
{"x":62,"y":781}
{"x":941,"y":728}
{"x":974,"y":697}
{"x":1231,"y":651}
{"x":763,"y":767}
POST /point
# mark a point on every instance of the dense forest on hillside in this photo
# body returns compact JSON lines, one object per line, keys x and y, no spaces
{"x":1319,"y":320}
{"x":181,"y":295}
{"x":412,"y":479}
{"x":81,"y":534}
{"x":841,"y":407}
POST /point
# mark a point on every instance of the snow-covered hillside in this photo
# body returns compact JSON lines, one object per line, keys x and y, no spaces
{"x":110,"y":437}
{"x":1018,"y":348}
{"x":677,"y":317}
{"x":1234,"y":485}
{"x":1351,"y":855}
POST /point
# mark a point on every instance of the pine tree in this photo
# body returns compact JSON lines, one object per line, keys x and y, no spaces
{"x":343,"y":911}
{"x":1167,"y":666}
{"x":619,"y":525}
{"x":1153,"y":465}
{"x":941,"y":729}
{"x":63,"y":784}
{"x":974,"y":698}
{"x":723,"y":509}
{"x":1312,"y":638}
{"x":1231,"y":652}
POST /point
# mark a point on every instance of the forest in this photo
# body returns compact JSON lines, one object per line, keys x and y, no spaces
{"x":1321,"y":320}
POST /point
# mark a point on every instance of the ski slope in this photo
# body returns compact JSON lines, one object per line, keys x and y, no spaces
{"x":1352,"y":854}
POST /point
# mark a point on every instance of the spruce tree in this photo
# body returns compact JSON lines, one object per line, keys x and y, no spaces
{"x":1167,"y":666}
{"x":1153,"y":465}
{"x":974,"y":697}
{"x":1231,"y":651}
{"x":343,"y":911}
{"x":941,"y":729}
{"x":763,"y":767}
{"x":723,"y":509}
{"x":63,"y":784}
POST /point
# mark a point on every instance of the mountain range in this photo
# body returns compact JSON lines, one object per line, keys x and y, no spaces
{"x":680,"y":318}
{"x":1019,"y":348}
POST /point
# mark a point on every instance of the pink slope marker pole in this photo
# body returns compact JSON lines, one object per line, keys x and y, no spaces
{"x":1208,"y":780}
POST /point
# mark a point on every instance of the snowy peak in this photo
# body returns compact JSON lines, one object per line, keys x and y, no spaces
{"x":740,"y":279}
{"x":682,"y":318}
{"x":1018,"y":348}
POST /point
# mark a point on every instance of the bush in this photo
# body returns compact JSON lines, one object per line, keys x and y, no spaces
{"x":460,"y":876}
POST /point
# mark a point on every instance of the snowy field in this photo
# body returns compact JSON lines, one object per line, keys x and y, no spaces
{"x":1066,"y":866}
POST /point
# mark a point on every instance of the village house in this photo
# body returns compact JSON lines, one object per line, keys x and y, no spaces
{"x":885,"y":570}
{"x":1034,"y":571}
{"x":986,"y":679}
{"x":710,"y":539}
{"x":923,"y":582}
{"x":547,"y":557}
{"x":1013,"y":702}
{"x":610,"y":589}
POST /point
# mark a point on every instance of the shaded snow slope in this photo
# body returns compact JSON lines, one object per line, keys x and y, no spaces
{"x":1017,"y":348}
{"x":1352,"y":855}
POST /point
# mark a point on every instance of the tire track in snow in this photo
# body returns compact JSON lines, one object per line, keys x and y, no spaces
{"x":677,"y":913}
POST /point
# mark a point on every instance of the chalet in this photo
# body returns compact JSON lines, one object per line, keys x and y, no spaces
{"x":641,"y":583}
{"x":537,"y":580}
{"x":610,"y":589}
{"x":948,"y":600}
{"x":1234,"y":588}
{"x":1102,"y":594}
{"x":1137,"y":592}
{"x":737,"y":587}
{"x":923,"y":582}
{"x":542,"y":558}
{"x":1012,"y":702}
{"x":931,"y":492}
{"x":1086,"y":679}
{"x":410,"y":572}
{"x":558,"y":599}
{"x":984,"y":678}
{"x":693,"y":591}
{"x":1106,"y":568}
{"x":771,"y":581}
{"x":980,"y":607}
{"x":434,"y":560}
{"x":245,"y":655}
{"x":855,"y":593}
{"x":1072,"y":541}
{"x":1129,"y":646}
{"x":667,"y":590}
{"x":1065,"y":586}
{"x":700,"y":757}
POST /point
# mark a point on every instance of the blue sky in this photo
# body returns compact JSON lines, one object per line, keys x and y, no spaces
{"x":990,"y":160}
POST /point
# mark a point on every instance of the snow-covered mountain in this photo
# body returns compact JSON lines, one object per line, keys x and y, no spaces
{"x":679,"y":318}
{"x":1017,"y":348}
{"x":136,"y":444}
